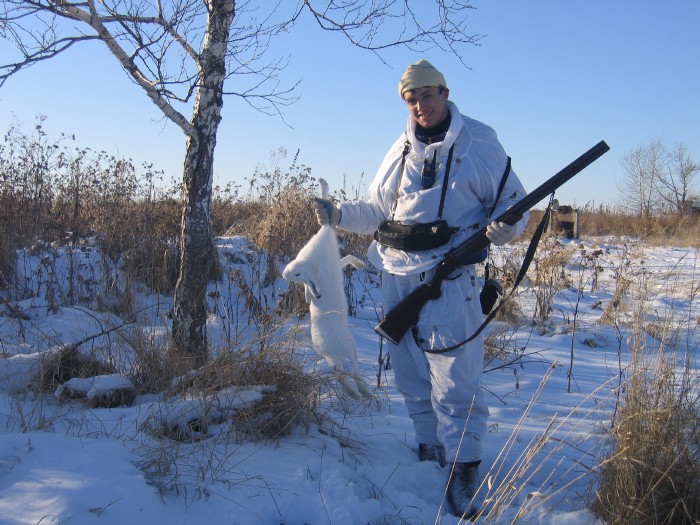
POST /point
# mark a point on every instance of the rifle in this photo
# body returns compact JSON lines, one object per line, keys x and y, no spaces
{"x":400,"y":318}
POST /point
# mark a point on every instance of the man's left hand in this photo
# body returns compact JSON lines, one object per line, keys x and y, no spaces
{"x":500,"y":233}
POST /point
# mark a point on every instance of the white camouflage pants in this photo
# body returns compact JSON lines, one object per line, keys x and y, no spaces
{"x":442,"y":391}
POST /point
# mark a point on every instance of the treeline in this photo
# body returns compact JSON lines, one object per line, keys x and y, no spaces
{"x":659,"y":180}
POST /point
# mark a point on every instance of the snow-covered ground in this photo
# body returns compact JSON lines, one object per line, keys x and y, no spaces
{"x":63,"y":462}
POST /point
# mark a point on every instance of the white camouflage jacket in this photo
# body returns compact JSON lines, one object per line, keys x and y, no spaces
{"x":478,"y":164}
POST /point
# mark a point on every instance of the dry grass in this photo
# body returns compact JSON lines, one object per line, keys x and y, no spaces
{"x":653,"y":474}
{"x":500,"y":344}
{"x":548,"y":275}
{"x":506,"y":273}
{"x":293,"y":402}
{"x":66,"y":363}
{"x":277,"y":214}
{"x":158,"y":368}
{"x":156,"y":362}
{"x":7,"y":261}
{"x":231,"y":218}
{"x":536,"y":470}
{"x":284,"y":226}
{"x":655,"y":231}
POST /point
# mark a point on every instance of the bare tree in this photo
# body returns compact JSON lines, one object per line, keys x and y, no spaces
{"x":657,"y":180}
{"x":642,"y":167}
{"x":675,"y":182}
{"x":190,"y":54}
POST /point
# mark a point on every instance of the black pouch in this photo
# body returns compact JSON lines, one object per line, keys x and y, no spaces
{"x":491,"y":291}
{"x":413,"y":237}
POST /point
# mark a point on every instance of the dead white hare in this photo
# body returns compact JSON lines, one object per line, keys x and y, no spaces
{"x":319,"y":267}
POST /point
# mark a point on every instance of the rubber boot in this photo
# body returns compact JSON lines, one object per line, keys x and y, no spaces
{"x":432,"y":453}
{"x":461,"y":489}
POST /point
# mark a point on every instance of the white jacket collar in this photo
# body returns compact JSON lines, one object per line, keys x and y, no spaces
{"x":452,"y":132}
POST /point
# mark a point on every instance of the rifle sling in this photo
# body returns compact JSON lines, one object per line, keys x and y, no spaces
{"x":501,"y":185}
{"x":406,"y":149}
{"x":529,"y":255}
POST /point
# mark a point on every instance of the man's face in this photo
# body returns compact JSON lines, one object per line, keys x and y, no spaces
{"x":427,"y":105}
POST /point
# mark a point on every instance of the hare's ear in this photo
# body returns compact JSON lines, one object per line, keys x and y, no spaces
{"x":324,"y":188}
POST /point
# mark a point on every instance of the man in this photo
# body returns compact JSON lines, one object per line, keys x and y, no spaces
{"x":444,"y":168}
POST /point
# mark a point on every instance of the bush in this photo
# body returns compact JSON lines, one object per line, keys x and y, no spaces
{"x":653,"y":474}
{"x":277,"y":213}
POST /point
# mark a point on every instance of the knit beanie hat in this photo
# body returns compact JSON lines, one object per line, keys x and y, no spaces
{"x":420,"y":74}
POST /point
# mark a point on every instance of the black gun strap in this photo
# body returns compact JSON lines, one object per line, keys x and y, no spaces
{"x":406,"y":149}
{"x":529,"y":255}
{"x":501,"y":185}
{"x":444,"y":181}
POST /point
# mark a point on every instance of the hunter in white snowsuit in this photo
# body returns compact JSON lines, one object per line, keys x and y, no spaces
{"x":442,"y":391}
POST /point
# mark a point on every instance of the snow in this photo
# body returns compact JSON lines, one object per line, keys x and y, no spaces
{"x":67,"y":462}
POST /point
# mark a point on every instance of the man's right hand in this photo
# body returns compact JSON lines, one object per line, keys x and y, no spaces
{"x":327,"y":213}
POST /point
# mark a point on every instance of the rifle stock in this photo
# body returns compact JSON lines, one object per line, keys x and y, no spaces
{"x":401,"y":317}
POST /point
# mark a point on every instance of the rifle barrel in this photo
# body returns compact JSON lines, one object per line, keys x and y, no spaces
{"x":478,"y":241}
{"x":557,"y":180}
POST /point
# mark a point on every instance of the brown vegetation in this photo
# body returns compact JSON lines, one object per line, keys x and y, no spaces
{"x":652,"y":475}
{"x":662,"y":230}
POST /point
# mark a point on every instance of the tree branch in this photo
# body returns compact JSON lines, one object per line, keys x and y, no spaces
{"x":379,"y":25}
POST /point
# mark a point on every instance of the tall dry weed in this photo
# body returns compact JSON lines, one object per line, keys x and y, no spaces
{"x":52,"y":191}
{"x":7,"y":260}
{"x":653,"y":474}
{"x":506,"y":272}
{"x":282,"y":197}
{"x":549,"y":276}
{"x":615,"y":309}
{"x":529,"y":474}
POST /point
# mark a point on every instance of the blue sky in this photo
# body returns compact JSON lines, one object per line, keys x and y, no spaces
{"x":552,"y":77}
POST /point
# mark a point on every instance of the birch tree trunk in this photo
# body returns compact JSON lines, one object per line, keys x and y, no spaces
{"x":196,"y":243}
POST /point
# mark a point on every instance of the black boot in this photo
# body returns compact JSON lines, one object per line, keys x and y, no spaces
{"x":461,"y":489}
{"x":432,"y":453}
